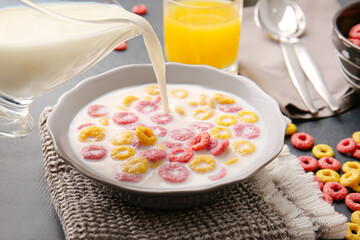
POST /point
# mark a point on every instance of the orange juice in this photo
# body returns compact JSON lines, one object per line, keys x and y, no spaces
{"x":202,"y":32}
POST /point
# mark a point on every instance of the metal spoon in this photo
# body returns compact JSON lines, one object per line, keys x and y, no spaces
{"x":284,"y":21}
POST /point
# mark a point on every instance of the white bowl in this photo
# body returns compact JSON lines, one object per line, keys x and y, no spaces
{"x":74,"y":100}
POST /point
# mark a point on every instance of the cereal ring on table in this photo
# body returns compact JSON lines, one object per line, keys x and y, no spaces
{"x":220,"y":148}
{"x":220,"y":133}
{"x":229,"y":109}
{"x":152,"y":90}
{"x":232,"y":161}
{"x":225,"y":120}
{"x":243,"y":147}
{"x":329,"y":163}
{"x":248,"y":131}
{"x":302,"y":140}
{"x":146,"y":106}
{"x":182,"y":155}
{"x":161,"y":118}
{"x":181,"y":134}
{"x":139,"y":9}
{"x":205,"y":100}
{"x":247,"y":116}
{"x":104,"y":121}
{"x":356,"y":152}
{"x":355,"y":217}
{"x":179,"y":110}
{"x":129,"y":99}
{"x":137,"y":165}
{"x":93,"y":152}
{"x":200,"y":141}
{"x":179,"y":93}
{"x":124,"y":118}
{"x":356,"y":136}
{"x":335,"y":190}
{"x":320,"y":183}
{"x":327,"y":198}
{"x":172,"y":144}
{"x":145,"y":135}
{"x":124,"y":138}
{"x":322,"y":150}
{"x":203,"y":113}
{"x":97,"y":110}
{"x":219,"y":175}
{"x":84,"y":126}
{"x":308,"y":163}
{"x":127,"y":177}
{"x":159,"y":131}
{"x":328,"y":175}
{"x":350,"y":178}
{"x":212,"y":144}
{"x":350,"y":166}
{"x":290,"y":129}
{"x":353,"y":232}
{"x":202,"y":126}
{"x":133,"y":127}
{"x":154,"y":154}
{"x":352,"y":201}
{"x":122,"y":152}
{"x":173,"y":172}
{"x":91,"y":134}
{"x":202,"y":163}
{"x":223,"y":99}
{"x":346,"y":145}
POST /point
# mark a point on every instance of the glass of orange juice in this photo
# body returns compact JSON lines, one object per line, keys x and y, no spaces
{"x":203,"y":32}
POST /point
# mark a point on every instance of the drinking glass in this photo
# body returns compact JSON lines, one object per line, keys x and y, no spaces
{"x":203,"y":32}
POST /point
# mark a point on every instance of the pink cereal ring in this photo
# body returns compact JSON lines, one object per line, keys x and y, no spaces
{"x":199,"y":142}
{"x":221,"y":147}
{"x":308,"y":163}
{"x":127,"y":177}
{"x":352,"y":200}
{"x":346,"y":145}
{"x":159,"y":131}
{"x":202,"y":126}
{"x":132,"y":127}
{"x":219,"y":175}
{"x":302,"y":140}
{"x":320,"y":183}
{"x":335,"y":190}
{"x":157,"y":99}
{"x":93,"y":152}
{"x":246,"y":131}
{"x":146,"y":106}
{"x":181,"y":134}
{"x":153,"y":155}
{"x":356,"y":152}
{"x":327,"y":198}
{"x":97,"y":110}
{"x":169,"y":144}
{"x":161,"y":118}
{"x":136,"y":142}
{"x":124,"y":118}
{"x":173,"y":172}
{"x":84,"y":125}
{"x":212,"y":144}
{"x":182,"y":155}
{"x":139,"y":9}
{"x":229,"y":108}
{"x":329,"y":163}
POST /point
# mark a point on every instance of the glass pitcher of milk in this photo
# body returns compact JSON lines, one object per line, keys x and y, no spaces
{"x":43,"y":44}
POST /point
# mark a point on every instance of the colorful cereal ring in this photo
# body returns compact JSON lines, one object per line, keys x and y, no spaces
{"x":229,"y":108}
{"x":308,"y":163}
{"x":159,"y":131}
{"x":127,"y":177}
{"x":182,"y":155}
{"x":353,"y":232}
{"x":329,"y":163}
{"x":122,"y":152}
{"x":146,"y":106}
{"x":91,"y":134}
{"x":152,"y":90}
{"x":203,"y":113}
{"x":202,"y":126}
{"x":173,"y":172}
{"x":302,"y":140}
{"x":356,"y":152}
{"x":355,"y":217}
{"x":220,"y":148}
{"x":350,"y":178}
{"x":346,"y":145}
{"x":223,"y":99}
{"x":335,"y":190}
{"x":327,"y":198}
{"x":225,"y":120}
{"x":93,"y":152}
{"x":248,"y":131}
{"x":328,"y":175}
{"x":169,"y":144}
{"x":129,"y":99}
{"x":290,"y":129}
{"x":349,"y":166}
{"x":97,"y":110}
{"x":124,"y":138}
{"x":145,"y":135}
{"x":154,"y":154}
{"x":219,"y":175}
{"x":161,"y":118}
{"x":322,"y":150}
{"x":179,"y":93}
{"x":352,"y":200}
{"x":220,"y":133}
{"x":181,"y":134}
{"x":243,"y":147}
{"x":199,"y":142}
{"x":202,"y":163}
{"x":356,"y":136}
{"x":247,"y":116}
{"x":137,"y":165}
{"x":124,"y":118}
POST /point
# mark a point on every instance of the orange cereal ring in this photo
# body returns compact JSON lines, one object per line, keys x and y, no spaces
{"x":129,"y":99}
{"x":179,"y":93}
{"x":91,"y":134}
{"x":356,"y":136}
{"x":225,"y":120}
{"x":328,"y":175}
{"x":220,"y":133}
{"x":124,"y":138}
{"x":223,"y":99}
{"x":122,"y":152}
{"x":247,"y":116}
{"x":322,"y":150}
{"x":152,"y":90}
{"x":202,"y":163}
{"x":145,"y":135}
{"x":137,"y":165}
{"x":350,"y":166}
{"x":355,"y":217}
{"x":290,"y":129}
{"x":203,"y":113}
{"x":243,"y":147}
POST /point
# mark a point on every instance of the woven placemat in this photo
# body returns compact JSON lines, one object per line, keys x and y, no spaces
{"x":280,"y":201}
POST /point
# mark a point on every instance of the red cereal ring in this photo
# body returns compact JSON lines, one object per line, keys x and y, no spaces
{"x":97,"y":110}
{"x":182,"y":155}
{"x":121,"y":47}
{"x":173,"y":172}
{"x":146,"y":106}
{"x":161,"y":118}
{"x":320,"y":183}
{"x":159,"y":131}
{"x":221,"y":147}
{"x":157,"y":99}
{"x":181,"y":134}
{"x":124,"y":118}
{"x":84,"y":125}
{"x":327,"y":198}
{"x":355,"y":41}
{"x":219,"y":175}
{"x":154,"y":154}
{"x":229,"y":108}
{"x":132,"y":127}
{"x":203,"y":126}
{"x":172,"y":144}
{"x":93,"y":152}
{"x":355,"y":31}
{"x":246,"y":131}
{"x":308,"y":163}
{"x":352,"y":200}
{"x":199,"y":142}
{"x":356,"y":152}
{"x":329,"y":163}
{"x":346,"y":145}
{"x":302,"y":140}
{"x":212,"y":144}
{"x":127,"y":177}
{"x":335,"y":190}
{"x":139,"y":9}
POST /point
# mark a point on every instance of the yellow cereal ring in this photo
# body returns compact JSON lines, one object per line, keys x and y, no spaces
{"x":225,"y":120}
{"x":145,"y":135}
{"x":243,"y":147}
{"x":122,"y":152}
{"x":350,"y":166}
{"x":328,"y":175}
{"x":355,"y":217}
{"x":203,"y":113}
{"x":232,"y":161}
{"x":179,"y":93}
{"x":220,"y":133}
{"x":121,"y":108}
{"x":152,"y":90}
{"x":205,"y":100}
{"x":124,"y":138}
{"x":179,"y":110}
{"x":353,"y":232}
{"x":104,"y":121}
{"x":350,"y":178}
{"x":156,"y":164}
{"x":91,"y":134}
{"x":202,"y":163}
{"x":129,"y":99}
{"x":193,"y":103}
{"x":356,"y":136}
{"x":223,"y":99}
{"x":290,"y":129}
{"x":147,"y":98}
{"x":161,"y":147}
{"x":247,"y":116}
{"x":322,"y":150}
{"x":137,"y":165}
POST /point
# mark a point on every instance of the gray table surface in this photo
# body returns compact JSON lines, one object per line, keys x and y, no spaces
{"x":26,"y":210}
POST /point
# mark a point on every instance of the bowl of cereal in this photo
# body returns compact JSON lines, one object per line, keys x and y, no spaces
{"x":221,"y":128}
